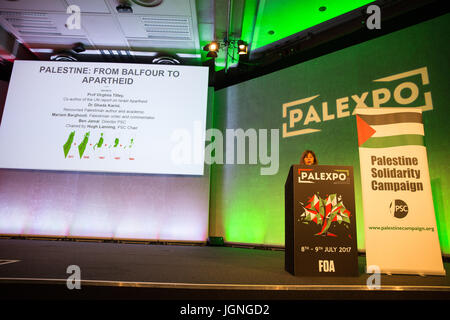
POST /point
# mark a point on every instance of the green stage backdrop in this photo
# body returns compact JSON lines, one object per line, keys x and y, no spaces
{"x":311,"y":104}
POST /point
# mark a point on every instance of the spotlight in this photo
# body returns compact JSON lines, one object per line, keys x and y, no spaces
{"x":78,"y":47}
{"x":242,"y":47}
{"x":212,"y":47}
{"x":212,"y":54}
{"x":165,"y":60}
{"x":63,"y":57}
{"x":124,"y":8}
{"x":148,"y":3}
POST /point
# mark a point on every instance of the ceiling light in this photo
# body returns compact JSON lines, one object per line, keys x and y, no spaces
{"x":212,"y":49}
{"x":78,"y":47}
{"x":242,"y":47}
{"x":213,"y":46}
{"x":148,"y":3}
{"x":124,"y":8}
{"x":212,"y":54}
{"x":62,"y":57}
{"x":165,"y":60}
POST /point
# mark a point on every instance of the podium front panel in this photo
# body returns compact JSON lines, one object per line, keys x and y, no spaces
{"x":320,"y":221}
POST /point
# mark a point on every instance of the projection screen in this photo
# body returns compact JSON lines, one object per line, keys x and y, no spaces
{"x":105,"y":117}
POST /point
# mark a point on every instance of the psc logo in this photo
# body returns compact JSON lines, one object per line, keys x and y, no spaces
{"x":398,"y":208}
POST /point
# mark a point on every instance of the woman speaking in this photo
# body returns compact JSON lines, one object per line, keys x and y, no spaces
{"x":308,"y":158}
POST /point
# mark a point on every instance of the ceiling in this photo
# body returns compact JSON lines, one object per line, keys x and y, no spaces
{"x":108,"y":32}
{"x":124,"y":31}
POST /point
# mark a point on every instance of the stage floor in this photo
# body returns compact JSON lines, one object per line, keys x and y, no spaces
{"x":37,"y":269}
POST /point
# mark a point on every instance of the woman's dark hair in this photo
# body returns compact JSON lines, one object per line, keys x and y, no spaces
{"x":305,"y":153}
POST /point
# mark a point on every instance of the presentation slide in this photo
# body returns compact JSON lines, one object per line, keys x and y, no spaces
{"x":105,"y":117}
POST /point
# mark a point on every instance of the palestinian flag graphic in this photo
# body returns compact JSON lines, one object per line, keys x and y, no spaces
{"x":389,"y":128}
{"x":399,"y":220}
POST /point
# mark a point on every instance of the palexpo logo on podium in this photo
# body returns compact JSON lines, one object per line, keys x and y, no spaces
{"x":406,"y":89}
{"x":335,"y":176}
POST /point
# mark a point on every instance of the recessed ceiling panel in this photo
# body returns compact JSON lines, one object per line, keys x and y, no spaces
{"x":90,"y":6}
{"x":41,"y":5}
{"x":32,"y":23}
{"x":157,"y":27}
{"x":279,"y":19}
{"x":104,"y":31}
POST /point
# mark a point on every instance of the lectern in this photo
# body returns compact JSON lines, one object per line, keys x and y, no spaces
{"x":320,"y":224}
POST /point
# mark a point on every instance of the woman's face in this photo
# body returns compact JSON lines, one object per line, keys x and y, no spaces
{"x":309,"y":159}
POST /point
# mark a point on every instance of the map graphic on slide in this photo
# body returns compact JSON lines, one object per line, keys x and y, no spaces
{"x":82,"y":145}
{"x":97,"y":147}
{"x":68,"y":144}
{"x":100,"y":142}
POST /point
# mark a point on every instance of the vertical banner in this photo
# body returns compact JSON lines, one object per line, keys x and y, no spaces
{"x":400,"y":224}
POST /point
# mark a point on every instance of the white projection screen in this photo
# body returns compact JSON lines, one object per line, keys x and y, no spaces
{"x":49,"y":187}
{"x":105,"y":117}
